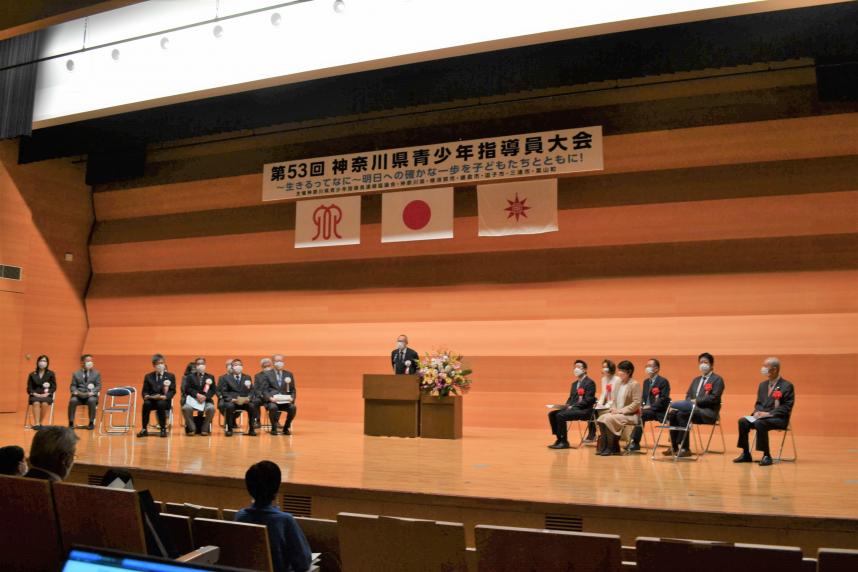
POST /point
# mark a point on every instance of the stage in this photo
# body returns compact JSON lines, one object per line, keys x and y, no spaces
{"x":499,"y":476}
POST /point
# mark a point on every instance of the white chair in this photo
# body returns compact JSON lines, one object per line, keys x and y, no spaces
{"x":779,"y":457}
{"x":118,"y":402}
{"x":666,"y":426}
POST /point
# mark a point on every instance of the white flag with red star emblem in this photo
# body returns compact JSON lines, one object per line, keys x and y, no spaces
{"x":327,"y":222}
{"x":426,"y":214}
{"x":522,"y":207}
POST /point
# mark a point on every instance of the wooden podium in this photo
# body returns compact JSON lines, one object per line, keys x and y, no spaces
{"x":391,"y":405}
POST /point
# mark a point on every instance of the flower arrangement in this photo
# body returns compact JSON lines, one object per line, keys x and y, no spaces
{"x":442,"y":373}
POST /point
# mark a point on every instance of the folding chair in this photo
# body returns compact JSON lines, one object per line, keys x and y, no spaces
{"x":666,"y":426}
{"x":29,"y":414}
{"x":582,"y":426}
{"x":780,"y":458}
{"x":119,"y":402}
{"x":704,"y":450}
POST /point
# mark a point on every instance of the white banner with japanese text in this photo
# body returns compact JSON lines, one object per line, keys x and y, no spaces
{"x":531,"y":155}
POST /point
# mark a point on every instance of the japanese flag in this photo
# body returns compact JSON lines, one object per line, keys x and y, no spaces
{"x":327,"y":222}
{"x":524,"y":207}
{"x":417,"y":215}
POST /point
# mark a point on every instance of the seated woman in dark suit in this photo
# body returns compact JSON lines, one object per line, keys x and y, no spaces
{"x":41,"y":386}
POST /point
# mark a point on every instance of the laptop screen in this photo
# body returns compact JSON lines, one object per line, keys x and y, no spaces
{"x":83,"y":560}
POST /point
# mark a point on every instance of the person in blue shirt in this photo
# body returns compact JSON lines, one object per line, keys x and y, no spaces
{"x":290,"y":551}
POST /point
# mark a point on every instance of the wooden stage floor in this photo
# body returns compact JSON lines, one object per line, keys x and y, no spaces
{"x":496,"y":464}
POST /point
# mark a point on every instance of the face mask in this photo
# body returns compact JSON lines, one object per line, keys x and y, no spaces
{"x":237,"y":368}
{"x":87,"y":365}
{"x":704,"y":367}
{"x":279,"y":364}
{"x":400,"y":345}
{"x":578,"y":372}
{"x":649,"y":370}
{"x":160,"y":368}
{"x":43,"y":364}
{"x":605,"y":370}
{"x":764,"y":371}
{"x":201,"y":367}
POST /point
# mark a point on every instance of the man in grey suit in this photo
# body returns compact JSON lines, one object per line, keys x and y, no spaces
{"x":85,"y":387}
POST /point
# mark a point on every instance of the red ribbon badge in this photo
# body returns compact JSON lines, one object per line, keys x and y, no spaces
{"x":655,"y":391}
{"x":580,"y":391}
{"x":707,"y":387}
{"x":777,"y":394}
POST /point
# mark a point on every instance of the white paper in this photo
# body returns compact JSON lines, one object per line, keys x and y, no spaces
{"x":282,"y":398}
{"x":190,"y":400}
{"x":750,"y":418}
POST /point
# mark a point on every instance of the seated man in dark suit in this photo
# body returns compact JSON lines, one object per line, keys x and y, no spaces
{"x":278,"y":393}
{"x":201,"y":386}
{"x":159,"y":387}
{"x":403,"y":359}
{"x":290,"y":551}
{"x":238,"y":394}
{"x":656,"y":398}
{"x":775,"y":399}
{"x":579,"y":405}
{"x":221,"y":383}
{"x":705,"y":393}
{"x":85,"y":387}
{"x":52,"y":453}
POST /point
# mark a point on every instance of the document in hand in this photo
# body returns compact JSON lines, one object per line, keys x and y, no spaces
{"x":750,"y":418}
{"x":191,"y":400}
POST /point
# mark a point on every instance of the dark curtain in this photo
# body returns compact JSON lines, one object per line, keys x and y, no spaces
{"x":17,"y":84}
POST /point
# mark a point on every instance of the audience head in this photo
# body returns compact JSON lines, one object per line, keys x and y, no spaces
{"x":402,"y":341}
{"x":200,"y":364}
{"x":86,"y":361}
{"x":42,"y":362}
{"x":266,"y":363}
{"x":278,"y":361}
{"x":705,"y":362}
{"x":159,"y":363}
{"x":609,"y":368}
{"x":53,"y":449}
{"x":117,"y":479}
{"x":12,"y":461}
{"x":237,"y":366}
{"x":263,"y":482}
{"x":771,"y":368}
{"x":580,"y":368}
{"x":625,"y":370}
{"x":652,"y":366}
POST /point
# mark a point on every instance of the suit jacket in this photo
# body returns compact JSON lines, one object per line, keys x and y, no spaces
{"x":766,"y":402}
{"x":270,"y":386}
{"x":81,"y":378}
{"x":657,"y":403}
{"x":586,"y":401}
{"x":151,"y":385}
{"x":233,"y":389}
{"x":399,"y":365}
{"x":194,"y":384}
{"x":712,"y":400}
{"x":34,"y":384}
{"x":35,"y":473}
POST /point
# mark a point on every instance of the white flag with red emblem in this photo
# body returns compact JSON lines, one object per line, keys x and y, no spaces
{"x":426,"y":214}
{"x":327,"y":222}
{"x":522,"y":207}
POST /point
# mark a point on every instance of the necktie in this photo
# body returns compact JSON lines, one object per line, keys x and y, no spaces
{"x":279,"y":379}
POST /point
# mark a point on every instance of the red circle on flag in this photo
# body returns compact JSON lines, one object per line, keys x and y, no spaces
{"x":416,"y":214}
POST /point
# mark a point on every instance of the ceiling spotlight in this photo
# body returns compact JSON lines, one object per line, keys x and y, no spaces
{"x":339,"y":6}
{"x":115,"y":54}
{"x":217,"y":31}
{"x":70,"y":65}
{"x":276,"y":18}
{"x":165,"y":43}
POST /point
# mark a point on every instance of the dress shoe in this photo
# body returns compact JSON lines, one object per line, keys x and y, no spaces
{"x":556,"y":442}
{"x":71,"y":425}
{"x":205,"y":433}
{"x":634,"y":447}
{"x":766,"y":461}
{"x":669,"y":452}
{"x":37,"y":427}
{"x":273,"y":431}
{"x":228,"y":432}
{"x":685,"y":453}
{"x":163,"y":432}
{"x":189,"y":432}
{"x":560,"y":445}
{"x":251,"y":432}
{"x":745,"y":457}
{"x":590,"y":438}
{"x":143,"y":433}
{"x":601,"y":444}
{"x":91,"y":426}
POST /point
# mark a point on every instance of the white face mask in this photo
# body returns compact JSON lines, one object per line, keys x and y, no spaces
{"x":160,"y":368}
{"x":704,"y":367}
{"x":606,"y":371}
{"x":201,"y":367}
{"x":578,"y":372}
{"x":764,"y":371}
{"x":87,"y":365}
{"x":400,"y":344}
{"x":237,"y":368}
{"x":649,"y":370}
{"x":279,"y":364}
{"x":43,"y":364}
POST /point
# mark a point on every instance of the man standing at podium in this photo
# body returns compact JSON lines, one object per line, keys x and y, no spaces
{"x":403,"y":359}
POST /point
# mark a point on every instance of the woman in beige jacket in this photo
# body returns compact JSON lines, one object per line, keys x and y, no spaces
{"x":624,"y":411}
